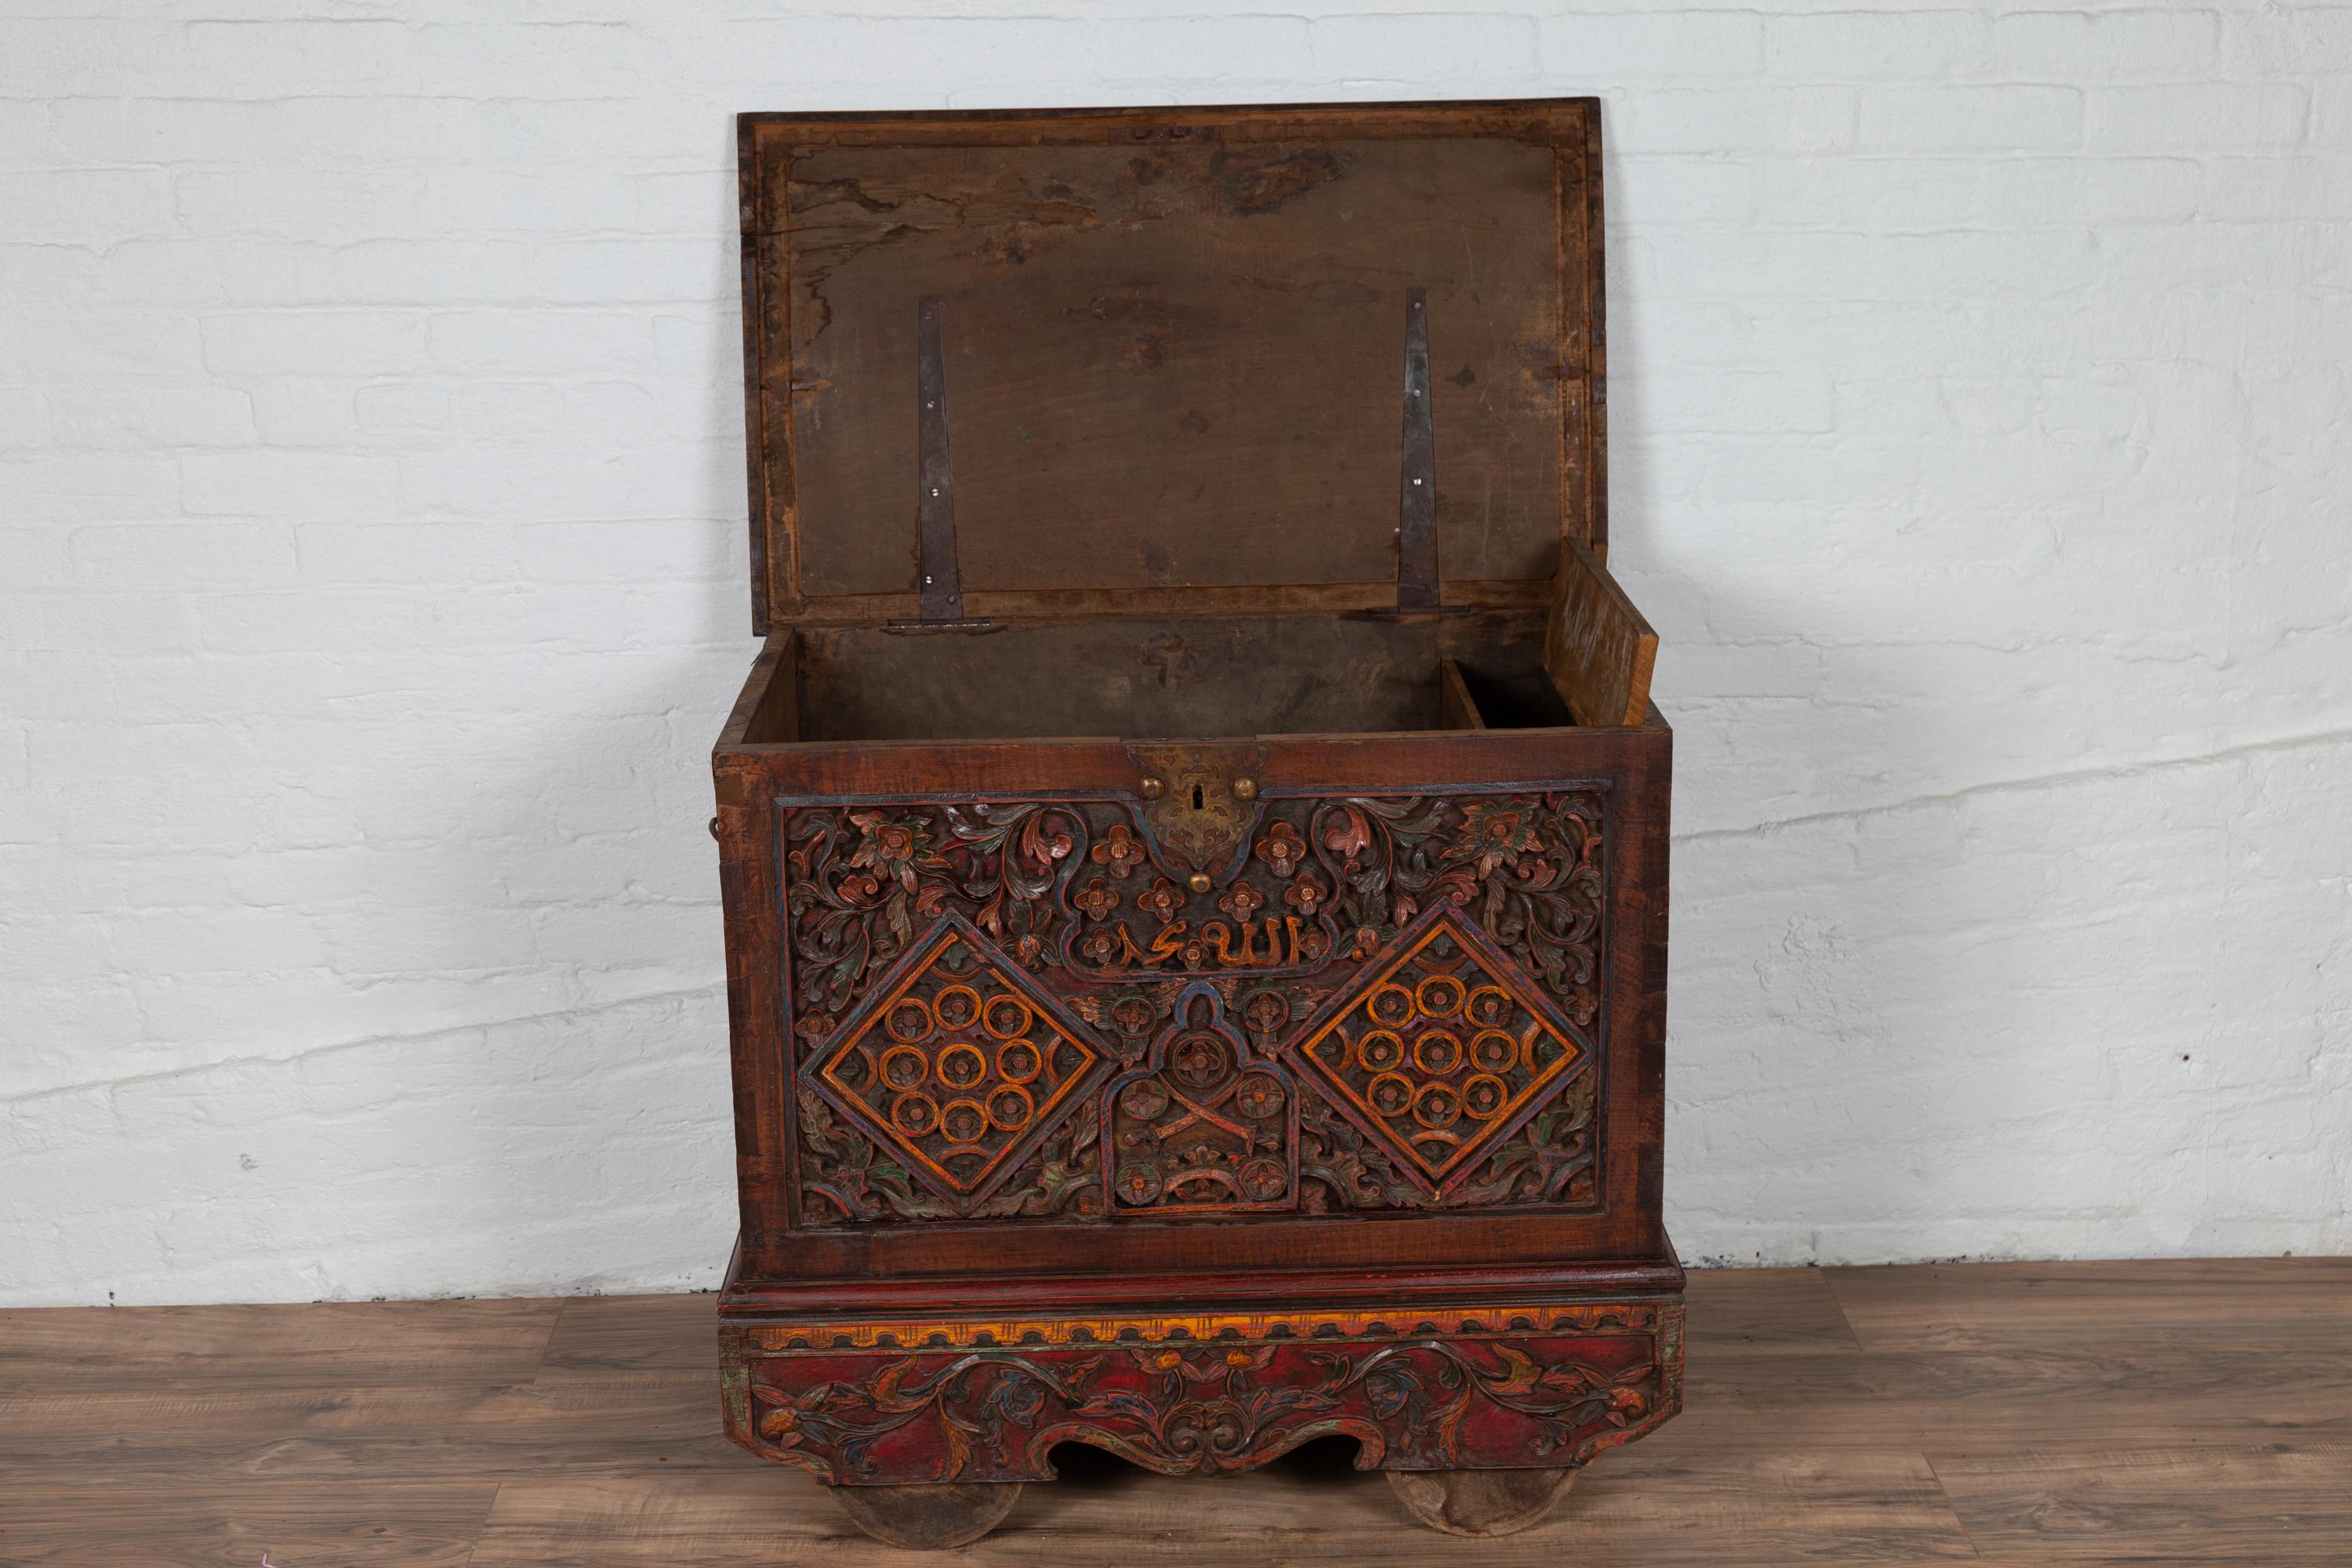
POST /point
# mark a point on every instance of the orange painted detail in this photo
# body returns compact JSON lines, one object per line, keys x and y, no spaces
{"x":961,"y":1064}
{"x":1371,"y":1322}
{"x":1441,"y":1051}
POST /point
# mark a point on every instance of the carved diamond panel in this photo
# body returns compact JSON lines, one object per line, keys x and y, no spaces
{"x":1084,"y":909}
{"x":1442,"y":1050}
{"x":961,"y":1064}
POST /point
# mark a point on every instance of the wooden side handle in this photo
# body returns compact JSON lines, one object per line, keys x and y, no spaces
{"x":1597,"y":649}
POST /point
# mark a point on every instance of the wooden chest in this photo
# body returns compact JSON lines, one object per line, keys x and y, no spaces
{"x":1194,"y":842}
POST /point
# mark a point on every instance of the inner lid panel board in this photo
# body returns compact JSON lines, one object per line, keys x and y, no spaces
{"x":1173,"y":356}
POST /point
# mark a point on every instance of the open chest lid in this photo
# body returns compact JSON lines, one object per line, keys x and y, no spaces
{"x":1170,"y":360}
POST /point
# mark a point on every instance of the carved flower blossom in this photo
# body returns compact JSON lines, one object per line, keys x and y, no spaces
{"x":1133,"y":1015}
{"x":1496,"y":833}
{"x":1099,"y":947}
{"x":1304,"y":895}
{"x":1096,"y":899}
{"x":1266,"y":1011}
{"x":1282,"y":849}
{"x":781,"y":1413}
{"x":1241,"y":902}
{"x":1138,"y":1185}
{"x":894,"y":847}
{"x":1348,"y":835}
{"x":1258,"y":1097}
{"x":1163,"y":901}
{"x":1367,"y":941}
{"x":1119,"y":852}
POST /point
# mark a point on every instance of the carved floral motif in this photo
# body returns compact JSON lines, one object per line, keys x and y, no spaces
{"x":1548,"y":1160}
{"x":1203,"y":1124}
{"x":958,"y":1067}
{"x":1076,"y":902}
{"x":1466,"y":1398}
{"x":1439,"y":1051}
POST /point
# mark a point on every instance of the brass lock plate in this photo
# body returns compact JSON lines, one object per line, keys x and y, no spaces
{"x":1199,"y":801}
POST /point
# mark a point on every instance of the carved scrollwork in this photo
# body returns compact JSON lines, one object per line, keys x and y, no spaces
{"x":1440,"y":1050}
{"x":1465,"y":1397}
{"x":1548,"y":1160}
{"x":958,"y":1067}
{"x":1203,"y":1124}
{"x":1076,"y":902}
{"x":1524,"y":867}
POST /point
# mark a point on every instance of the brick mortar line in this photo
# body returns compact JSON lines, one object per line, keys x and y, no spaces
{"x":169,"y":1073}
{"x":2039,"y":781}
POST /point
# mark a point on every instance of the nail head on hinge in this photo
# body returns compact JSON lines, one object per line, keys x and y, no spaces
{"x":1418,"y":569}
{"x":936,"y":564}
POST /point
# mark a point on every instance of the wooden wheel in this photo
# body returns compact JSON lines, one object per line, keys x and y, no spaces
{"x":928,"y":1518}
{"x":1479,"y":1503}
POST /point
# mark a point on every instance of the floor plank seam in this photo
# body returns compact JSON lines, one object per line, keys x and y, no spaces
{"x":1945,"y":1492}
{"x":1846,"y":1317}
{"x":482,"y":1528}
{"x":2098,"y":1413}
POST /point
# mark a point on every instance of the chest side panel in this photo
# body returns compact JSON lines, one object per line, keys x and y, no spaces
{"x":1102,"y":1010}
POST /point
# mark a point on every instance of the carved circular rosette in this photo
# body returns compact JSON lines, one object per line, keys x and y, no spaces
{"x":956,"y":1074}
{"x":1445,"y":1051}
{"x":1201,"y":1123}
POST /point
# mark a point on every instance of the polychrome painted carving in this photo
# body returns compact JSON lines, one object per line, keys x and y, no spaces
{"x":959,"y":1068}
{"x":1203,"y":1124}
{"x":1030,"y":1008}
{"x":1472,"y":1388}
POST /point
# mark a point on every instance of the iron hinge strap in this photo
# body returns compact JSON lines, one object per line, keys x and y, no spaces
{"x":1417,"y":580}
{"x":941,"y":591}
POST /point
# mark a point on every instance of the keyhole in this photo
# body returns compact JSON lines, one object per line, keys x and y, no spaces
{"x":1196,"y":797}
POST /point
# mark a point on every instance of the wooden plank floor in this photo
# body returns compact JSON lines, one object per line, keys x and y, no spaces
{"x":2139,"y":1413}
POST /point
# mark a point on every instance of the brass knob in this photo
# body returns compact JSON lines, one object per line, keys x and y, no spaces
{"x":1246,"y":789}
{"x":1199,"y":882}
{"x":1152,"y":787}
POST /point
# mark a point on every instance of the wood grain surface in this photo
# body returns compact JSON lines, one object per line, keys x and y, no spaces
{"x":1597,"y":646}
{"x":1172,"y":341}
{"x":2092,"y":1412}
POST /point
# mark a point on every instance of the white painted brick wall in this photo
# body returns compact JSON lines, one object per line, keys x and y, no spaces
{"x":370,"y":589}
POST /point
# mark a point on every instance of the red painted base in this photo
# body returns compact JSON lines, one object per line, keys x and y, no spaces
{"x":1461,"y":1386}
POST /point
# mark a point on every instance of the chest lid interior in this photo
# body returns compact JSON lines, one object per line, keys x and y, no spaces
{"x":1166,"y":361}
